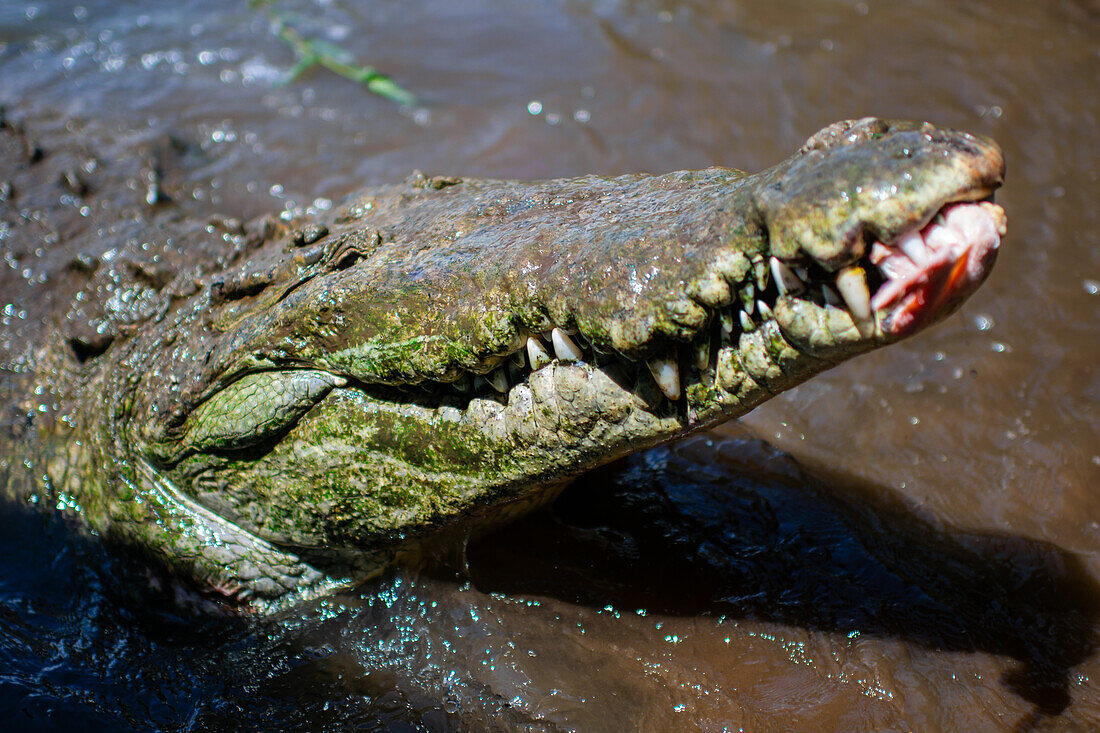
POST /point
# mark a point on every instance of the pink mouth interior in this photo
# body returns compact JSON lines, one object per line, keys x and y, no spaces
{"x":930,"y":271}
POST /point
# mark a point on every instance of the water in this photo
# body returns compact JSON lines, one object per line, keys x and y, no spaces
{"x":920,"y":553}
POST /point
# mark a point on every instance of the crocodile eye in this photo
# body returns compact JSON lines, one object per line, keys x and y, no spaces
{"x":348,"y":258}
{"x":346,"y":251}
{"x":255,"y":408}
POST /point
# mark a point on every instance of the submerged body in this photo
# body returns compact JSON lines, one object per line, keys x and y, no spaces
{"x":444,"y":355}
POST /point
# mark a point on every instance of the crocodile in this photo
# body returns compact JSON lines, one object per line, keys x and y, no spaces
{"x":371,"y":382}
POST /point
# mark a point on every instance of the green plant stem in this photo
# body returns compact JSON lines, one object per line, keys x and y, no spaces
{"x":309,"y":55}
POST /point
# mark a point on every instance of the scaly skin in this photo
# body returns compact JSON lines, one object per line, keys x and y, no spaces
{"x":361,"y":384}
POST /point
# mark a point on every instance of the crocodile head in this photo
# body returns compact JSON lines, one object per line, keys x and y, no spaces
{"x":454,"y":350}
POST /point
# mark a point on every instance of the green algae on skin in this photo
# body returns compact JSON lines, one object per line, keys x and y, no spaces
{"x":395,"y":471}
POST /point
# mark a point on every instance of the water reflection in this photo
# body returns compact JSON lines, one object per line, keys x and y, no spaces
{"x":687,"y":531}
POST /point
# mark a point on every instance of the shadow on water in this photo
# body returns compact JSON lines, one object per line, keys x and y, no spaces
{"x":90,"y":640}
{"x":707,"y":526}
{"x":740,"y":530}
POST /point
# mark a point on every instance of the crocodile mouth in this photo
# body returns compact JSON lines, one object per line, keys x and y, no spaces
{"x":895,"y":288}
{"x":785,"y":315}
{"x":928,"y":271}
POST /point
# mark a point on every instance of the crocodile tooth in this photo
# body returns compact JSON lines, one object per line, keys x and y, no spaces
{"x":912,"y":244}
{"x":786,"y":281}
{"x":726,"y":320}
{"x":760,"y":270}
{"x":498,"y":380}
{"x":537,"y":354}
{"x":763,"y":309}
{"x":831,"y":296}
{"x":746,"y":322}
{"x":667,"y":375}
{"x":748,"y":296}
{"x":518,"y":359}
{"x":564,"y":347}
{"x":463,"y":383}
{"x":749,"y":306}
{"x":702,"y":355}
{"x":852,"y":285}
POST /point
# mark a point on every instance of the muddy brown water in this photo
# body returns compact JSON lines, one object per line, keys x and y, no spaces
{"x":908,"y":542}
